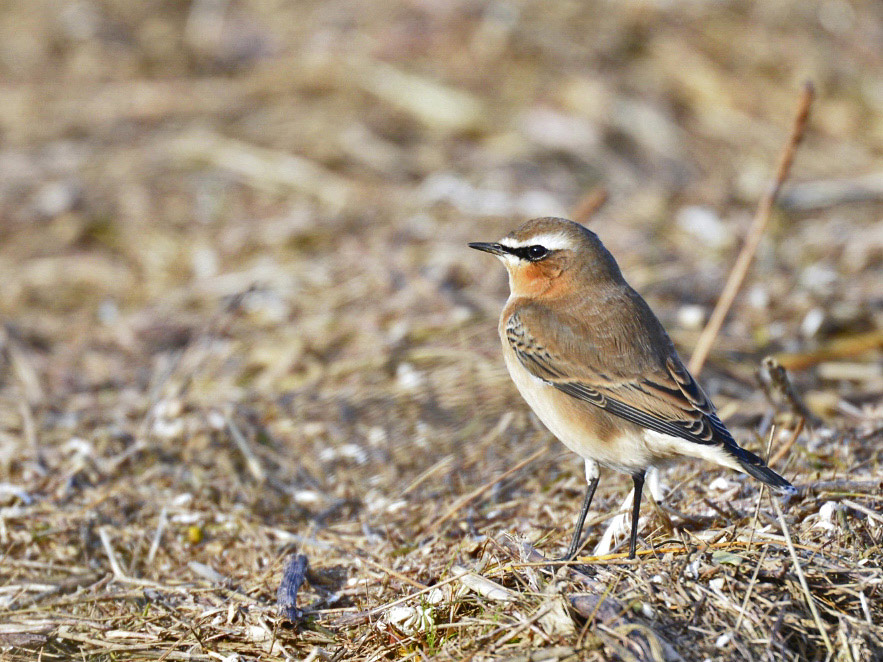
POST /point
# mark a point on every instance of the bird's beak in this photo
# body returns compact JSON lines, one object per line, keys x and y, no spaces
{"x":496,"y":249}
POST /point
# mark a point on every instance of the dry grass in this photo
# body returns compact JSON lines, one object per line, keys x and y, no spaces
{"x":241,"y":323}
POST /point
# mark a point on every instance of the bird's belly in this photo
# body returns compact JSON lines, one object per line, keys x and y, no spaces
{"x":585,"y":429}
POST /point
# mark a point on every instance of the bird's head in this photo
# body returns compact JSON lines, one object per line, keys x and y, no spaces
{"x":552,"y":257}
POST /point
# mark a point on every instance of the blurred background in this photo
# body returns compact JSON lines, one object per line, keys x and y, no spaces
{"x":237,"y":305}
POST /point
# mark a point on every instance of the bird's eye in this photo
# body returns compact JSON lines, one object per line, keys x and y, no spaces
{"x":536,"y":252}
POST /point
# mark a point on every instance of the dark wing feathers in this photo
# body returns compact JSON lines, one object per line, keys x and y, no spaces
{"x":666,"y":399}
{"x":534,"y":357}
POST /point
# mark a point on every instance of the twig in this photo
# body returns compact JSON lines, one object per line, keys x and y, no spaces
{"x":863,"y":509}
{"x":293,"y":576}
{"x":802,"y":578}
{"x":28,"y":386}
{"x":779,"y":388}
{"x":761,"y":492}
{"x":752,"y":241}
{"x":263,"y":168}
{"x":621,"y":558}
{"x":509,"y":632}
{"x":750,"y":588}
{"x":393,"y":573}
{"x":111,"y":555}
{"x":354,"y":619}
{"x":813,"y":196}
{"x":838,"y":348}
{"x":474,"y":494}
{"x":866,"y":610}
{"x":590,"y":203}
{"x":157,"y":536}
{"x":783,"y":451}
{"x":870,"y":487}
{"x":434,"y":469}
{"x":25,"y":374}
{"x":595,"y":602}
{"x":116,"y":568}
{"x":251,"y":460}
{"x":171,"y":650}
{"x":30,"y":430}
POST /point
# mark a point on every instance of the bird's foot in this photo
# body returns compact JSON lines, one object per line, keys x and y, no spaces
{"x":568,"y":561}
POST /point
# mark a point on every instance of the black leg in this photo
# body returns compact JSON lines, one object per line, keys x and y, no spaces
{"x":636,"y":510}
{"x":587,"y":502}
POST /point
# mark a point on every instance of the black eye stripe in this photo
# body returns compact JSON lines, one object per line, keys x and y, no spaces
{"x":530,"y":253}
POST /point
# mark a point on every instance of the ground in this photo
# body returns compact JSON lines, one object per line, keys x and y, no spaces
{"x":240,"y":324}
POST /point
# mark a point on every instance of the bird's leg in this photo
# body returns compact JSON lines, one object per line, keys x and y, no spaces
{"x":638,"y":479}
{"x":592,"y":476}
{"x":577,"y":534}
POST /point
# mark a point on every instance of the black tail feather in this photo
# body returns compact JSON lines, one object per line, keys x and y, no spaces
{"x":754,"y":466}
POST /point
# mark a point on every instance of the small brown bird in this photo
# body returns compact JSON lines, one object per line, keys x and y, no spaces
{"x":595,"y":364}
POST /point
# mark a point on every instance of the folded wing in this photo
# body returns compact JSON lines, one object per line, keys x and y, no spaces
{"x":664,"y":398}
{"x":637,"y":378}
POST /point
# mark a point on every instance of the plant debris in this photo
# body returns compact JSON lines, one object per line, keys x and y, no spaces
{"x":240,"y":327}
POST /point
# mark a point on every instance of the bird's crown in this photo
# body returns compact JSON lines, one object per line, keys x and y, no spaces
{"x":550,"y":233}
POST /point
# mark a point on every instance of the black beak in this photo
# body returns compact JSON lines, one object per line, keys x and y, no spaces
{"x":496,"y":249}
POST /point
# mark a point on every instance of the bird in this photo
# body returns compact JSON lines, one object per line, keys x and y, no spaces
{"x":596,"y":366}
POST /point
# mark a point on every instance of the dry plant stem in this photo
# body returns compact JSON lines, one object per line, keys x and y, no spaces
{"x":474,"y":494}
{"x":111,"y":555}
{"x":863,"y":509}
{"x":760,"y":493}
{"x":444,"y":463}
{"x":590,"y":618}
{"x":780,"y":389}
{"x":818,"y":195}
{"x":27,"y":418}
{"x":251,"y":460}
{"x":118,"y":573}
{"x":621,"y":558}
{"x":756,"y":516}
{"x":865,"y":487}
{"x":839,"y":348}
{"x":23,"y":368}
{"x":589,"y":204}
{"x":157,"y":536}
{"x":379,"y":609}
{"x":392,"y":573}
{"x":509,"y":633}
{"x":802,"y":578}
{"x":783,"y":451}
{"x":750,"y":588}
{"x":866,"y":610}
{"x":171,"y":650}
{"x":594,"y":601}
{"x":746,"y":255}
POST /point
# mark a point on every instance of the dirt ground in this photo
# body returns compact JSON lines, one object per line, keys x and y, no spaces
{"x":240,"y":323}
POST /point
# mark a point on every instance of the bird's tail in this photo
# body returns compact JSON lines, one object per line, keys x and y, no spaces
{"x":754,"y":466}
